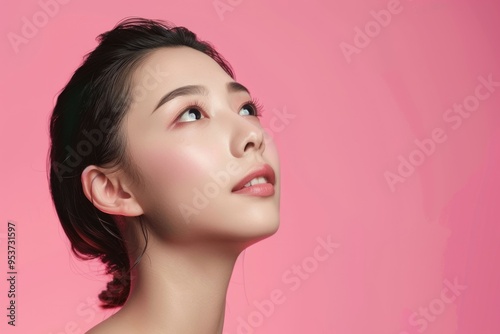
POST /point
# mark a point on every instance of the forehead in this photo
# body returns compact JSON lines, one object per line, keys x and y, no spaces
{"x":181,"y":65}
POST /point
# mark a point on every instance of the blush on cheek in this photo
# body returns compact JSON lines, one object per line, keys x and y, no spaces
{"x":175,"y":166}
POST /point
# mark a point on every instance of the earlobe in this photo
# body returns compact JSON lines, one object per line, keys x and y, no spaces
{"x":106,"y":191}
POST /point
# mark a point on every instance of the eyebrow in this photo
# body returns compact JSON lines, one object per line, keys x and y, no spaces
{"x":232,"y":87}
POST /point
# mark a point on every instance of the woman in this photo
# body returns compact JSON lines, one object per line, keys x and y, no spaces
{"x":159,"y":168}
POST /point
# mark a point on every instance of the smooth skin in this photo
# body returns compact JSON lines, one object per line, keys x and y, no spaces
{"x":180,"y":284}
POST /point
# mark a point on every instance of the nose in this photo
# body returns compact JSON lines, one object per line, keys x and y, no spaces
{"x":246,"y":136}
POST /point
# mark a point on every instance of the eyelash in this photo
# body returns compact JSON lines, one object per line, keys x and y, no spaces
{"x":253,"y":102}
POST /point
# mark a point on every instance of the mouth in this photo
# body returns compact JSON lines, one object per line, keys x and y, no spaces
{"x":259,"y":181}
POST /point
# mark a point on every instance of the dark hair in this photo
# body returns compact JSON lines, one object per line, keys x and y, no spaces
{"x":85,"y":130}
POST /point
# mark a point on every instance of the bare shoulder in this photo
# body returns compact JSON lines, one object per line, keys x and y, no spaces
{"x":109,"y":328}
{"x":102,"y":328}
{"x":112,"y":325}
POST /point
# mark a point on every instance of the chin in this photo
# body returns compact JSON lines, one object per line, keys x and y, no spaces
{"x":241,"y":233}
{"x":264,"y":235}
{"x":258,"y":230}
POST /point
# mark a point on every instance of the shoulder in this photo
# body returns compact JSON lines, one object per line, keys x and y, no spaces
{"x":102,"y":328}
{"x":110,"y":326}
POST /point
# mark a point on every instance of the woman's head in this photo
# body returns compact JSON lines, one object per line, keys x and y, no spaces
{"x":128,"y":156}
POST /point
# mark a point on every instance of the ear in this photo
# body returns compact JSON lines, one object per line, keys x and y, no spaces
{"x":108,"y":191}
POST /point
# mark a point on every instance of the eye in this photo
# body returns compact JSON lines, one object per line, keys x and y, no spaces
{"x":252,"y":108}
{"x":192,"y":113}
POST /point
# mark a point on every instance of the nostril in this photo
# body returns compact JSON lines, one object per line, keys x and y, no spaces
{"x":249,"y":144}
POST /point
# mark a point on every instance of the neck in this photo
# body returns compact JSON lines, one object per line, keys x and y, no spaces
{"x":180,"y":288}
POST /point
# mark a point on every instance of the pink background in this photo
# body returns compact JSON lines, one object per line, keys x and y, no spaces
{"x":354,"y":118}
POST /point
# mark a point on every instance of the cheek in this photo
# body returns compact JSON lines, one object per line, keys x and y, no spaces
{"x":174,"y":167}
{"x":160,"y":158}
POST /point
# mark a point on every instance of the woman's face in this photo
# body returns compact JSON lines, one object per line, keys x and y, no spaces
{"x":191,"y":157}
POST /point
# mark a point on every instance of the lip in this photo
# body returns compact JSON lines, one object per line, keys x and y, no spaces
{"x":260,"y":171}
